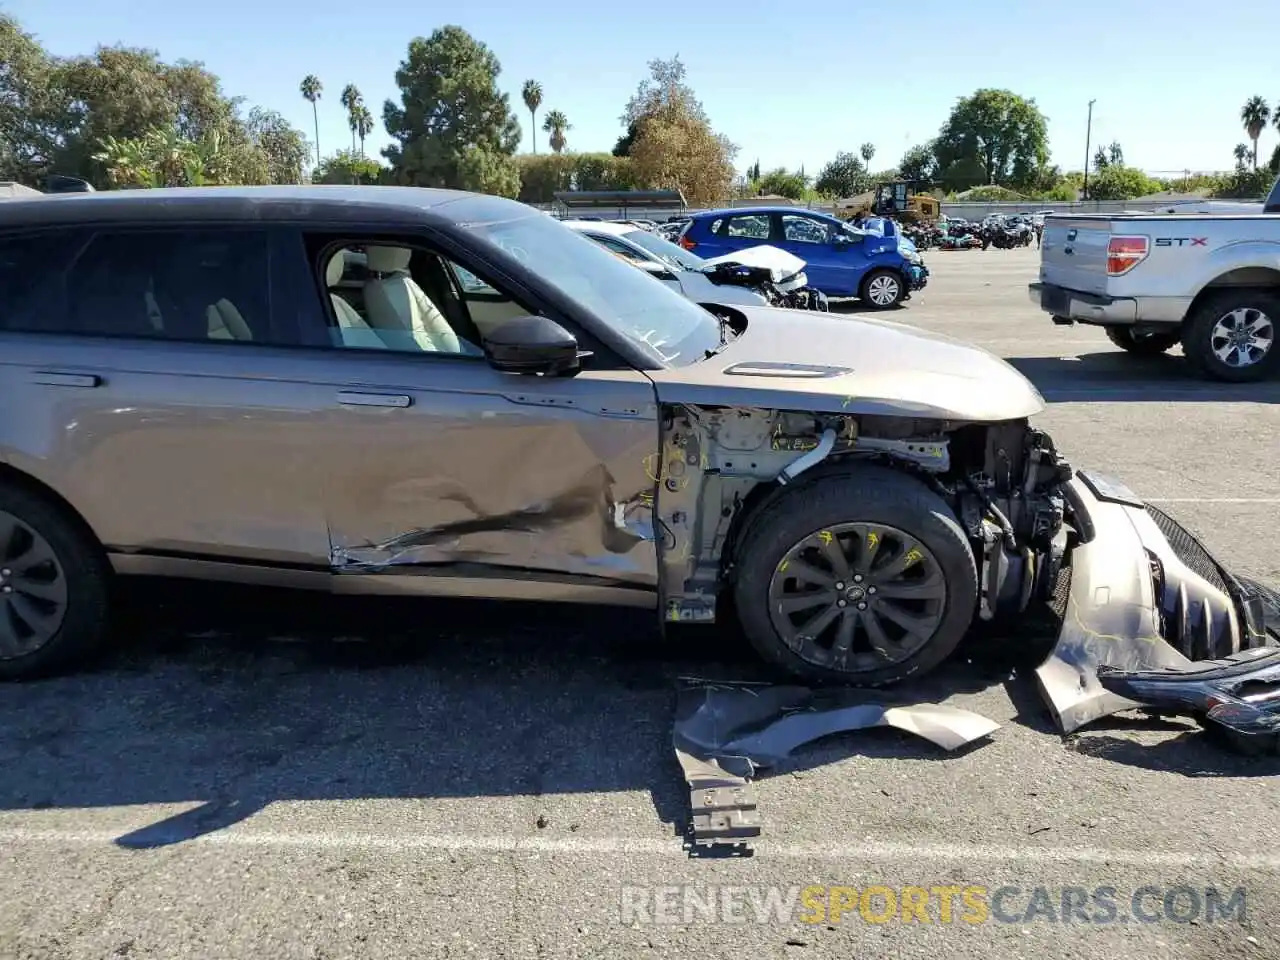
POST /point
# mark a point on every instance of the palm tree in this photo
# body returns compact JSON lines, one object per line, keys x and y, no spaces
{"x":1242,"y":153}
{"x":1254,"y":115}
{"x":868,"y":150}
{"x":532,"y":93}
{"x":364,"y":124}
{"x":311,"y":90}
{"x":350,"y":99}
{"x":556,"y":123}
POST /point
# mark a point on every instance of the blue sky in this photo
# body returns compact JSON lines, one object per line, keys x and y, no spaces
{"x":789,"y":85}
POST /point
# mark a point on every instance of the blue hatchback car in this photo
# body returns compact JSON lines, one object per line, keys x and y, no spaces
{"x":873,"y":262}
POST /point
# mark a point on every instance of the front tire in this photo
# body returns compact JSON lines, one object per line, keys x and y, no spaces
{"x":862,"y":576}
{"x":53,"y":587}
{"x":1231,"y":336}
{"x":1144,"y":344}
{"x":882,"y":289}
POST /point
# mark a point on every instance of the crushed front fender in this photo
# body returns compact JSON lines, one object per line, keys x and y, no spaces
{"x":1144,"y":595}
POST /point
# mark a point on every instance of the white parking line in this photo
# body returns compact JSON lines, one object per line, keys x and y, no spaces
{"x":1212,"y":499}
{"x":461,"y":843}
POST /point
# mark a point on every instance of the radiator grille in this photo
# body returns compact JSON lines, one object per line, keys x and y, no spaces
{"x":1188,"y":549}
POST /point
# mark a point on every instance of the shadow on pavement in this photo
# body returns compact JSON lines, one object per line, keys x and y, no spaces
{"x":1116,"y":376}
{"x":235,"y":698}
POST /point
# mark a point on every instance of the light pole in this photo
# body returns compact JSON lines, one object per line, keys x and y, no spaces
{"x":1088,"y":131}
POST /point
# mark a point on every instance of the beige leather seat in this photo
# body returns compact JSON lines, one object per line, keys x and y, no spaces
{"x":225,"y":322}
{"x":395,"y":303}
{"x":351,"y":326}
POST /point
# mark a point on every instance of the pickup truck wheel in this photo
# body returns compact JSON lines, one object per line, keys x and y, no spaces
{"x":1145,"y":344}
{"x":882,"y":289}
{"x":862,"y":576}
{"x":1231,"y":336}
{"x":53,"y":588}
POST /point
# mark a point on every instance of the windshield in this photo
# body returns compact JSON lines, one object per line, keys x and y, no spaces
{"x":661,"y":321}
{"x":666,"y":251}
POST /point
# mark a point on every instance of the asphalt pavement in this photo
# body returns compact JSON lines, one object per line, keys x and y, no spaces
{"x":262,"y":775}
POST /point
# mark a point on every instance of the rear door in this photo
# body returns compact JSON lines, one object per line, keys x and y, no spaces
{"x":1074,"y":253}
{"x":734,"y":232}
{"x":141,"y":377}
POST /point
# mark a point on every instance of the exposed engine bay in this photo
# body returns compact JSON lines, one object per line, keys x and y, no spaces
{"x":793,"y":292}
{"x":1003,"y":482}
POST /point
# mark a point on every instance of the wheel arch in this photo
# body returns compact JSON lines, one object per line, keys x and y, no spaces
{"x":1253,"y":278}
{"x":766,"y":493}
{"x":20,"y":478}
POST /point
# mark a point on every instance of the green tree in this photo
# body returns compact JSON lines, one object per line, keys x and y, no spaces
{"x":452,"y":128}
{"x":33,"y":115}
{"x":783,"y":183}
{"x":1255,"y":114}
{"x":994,"y":136}
{"x":556,"y":124}
{"x":918,"y":163}
{"x":312,"y":89}
{"x":843,"y":177}
{"x":348,"y":167}
{"x":867,"y":151}
{"x":1118,"y":182}
{"x":351,"y":100}
{"x":672,"y":144}
{"x":282,"y":148}
{"x":531,"y":94}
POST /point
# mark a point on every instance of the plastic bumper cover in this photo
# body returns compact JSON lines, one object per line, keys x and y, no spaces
{"x":1143,"y":595}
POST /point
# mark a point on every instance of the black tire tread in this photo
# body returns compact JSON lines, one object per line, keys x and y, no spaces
{"x":87,"y":572}
{"x":1199,"y":322}
{"x":1149,"y":346}
{"x":848,"y":494}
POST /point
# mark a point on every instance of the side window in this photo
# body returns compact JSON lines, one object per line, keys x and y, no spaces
{"x":397,"y":296}
{"x":751,"y":226}
{"x":716,"y":224}
{"x":803,"y":229}
{"x":173,"y":285}
{"x":32,"y":269}
{"x":621,"y":249}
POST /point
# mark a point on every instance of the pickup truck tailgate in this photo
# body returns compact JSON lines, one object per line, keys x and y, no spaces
{"x":1074,"y":253}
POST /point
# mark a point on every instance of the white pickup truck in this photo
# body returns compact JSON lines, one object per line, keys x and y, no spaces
{"x":1210,"y":282}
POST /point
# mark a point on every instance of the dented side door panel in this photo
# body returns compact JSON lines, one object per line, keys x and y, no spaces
{"x":491,"y":475}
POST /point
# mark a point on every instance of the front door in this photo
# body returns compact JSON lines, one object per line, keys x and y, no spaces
{"x":464,"y":479}
{"x":154,"y":394}
{"x":828,"y":264}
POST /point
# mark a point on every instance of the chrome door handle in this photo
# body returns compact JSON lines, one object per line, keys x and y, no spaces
{"x":54,"y":379}
{"x":352,"y":398}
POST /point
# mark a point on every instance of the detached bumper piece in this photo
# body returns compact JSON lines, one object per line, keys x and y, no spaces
{"x":1144,"y":595}
{"x":724,"y":733}
{"x":1239,"y":696}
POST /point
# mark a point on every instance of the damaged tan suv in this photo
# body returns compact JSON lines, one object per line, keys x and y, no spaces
{"x":377,"y":389}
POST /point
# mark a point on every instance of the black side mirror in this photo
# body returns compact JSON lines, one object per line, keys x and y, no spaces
{"x":534,"y":345}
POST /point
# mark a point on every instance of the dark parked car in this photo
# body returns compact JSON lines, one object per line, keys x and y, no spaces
{"x":378,"y":389}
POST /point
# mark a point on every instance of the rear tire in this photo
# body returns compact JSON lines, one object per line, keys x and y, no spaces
{"x":784,"y":549}
{"x":1143,"y":344}
{"x":1208,"y":328}
{"x":54,"y":587}
{"x":882,"y":289}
